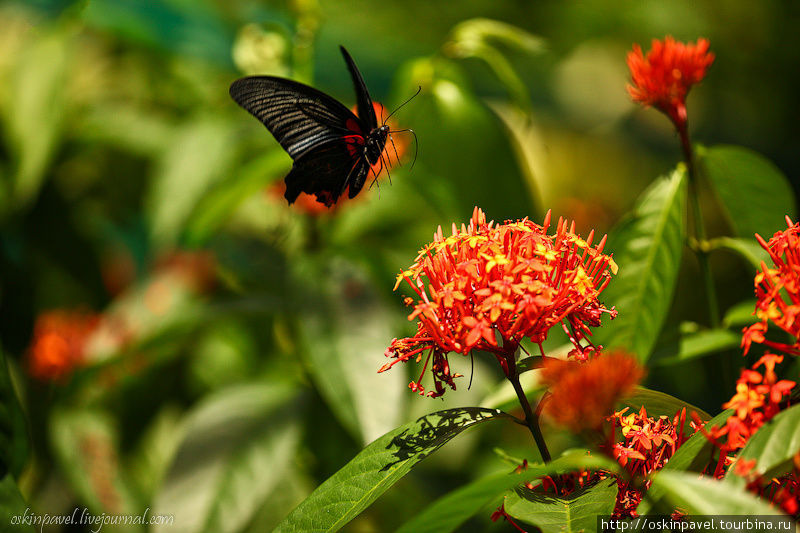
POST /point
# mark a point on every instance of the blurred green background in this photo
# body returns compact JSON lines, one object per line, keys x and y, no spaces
{"x":234,"y":365}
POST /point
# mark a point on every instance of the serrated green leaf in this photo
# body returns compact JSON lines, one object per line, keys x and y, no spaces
{"x":754,"y":193}
{"x":577,"y":512}
{"x":660,"y":404}
{"x":747,"y":249}
{"x":379,"y":466}
{"x":453,"y":509}
{"x":238,"y":444}
{"x":773,"y":446}
{"x":13,"y":508}
{"x":707,"y":496}
{"x":647,"y":247}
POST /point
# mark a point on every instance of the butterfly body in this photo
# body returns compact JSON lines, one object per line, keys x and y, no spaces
{"x":333,"y":149}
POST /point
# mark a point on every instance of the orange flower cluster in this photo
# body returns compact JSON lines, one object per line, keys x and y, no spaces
{"x":581,"y":395}
{"x":509,"y":281}
{"x":778,"y":291}
{"x":59,"y":341}
{"x":757,"y":400}
{"x":662,"y":79}
{"x":646,"y":446}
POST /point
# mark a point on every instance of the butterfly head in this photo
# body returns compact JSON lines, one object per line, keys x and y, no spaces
{"x":375,"y":142}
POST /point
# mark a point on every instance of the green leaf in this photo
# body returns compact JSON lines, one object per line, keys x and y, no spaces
{"x":379,"y":466}
{"x":647,"y":247}
{"x":706,"y":496}
{"x":576,"y":512}
{"x":773,"y":446}
{"x":214,"y":209}
{"x":13,"y":508}
{"x":35,"y":111}
{"x":86,"y":445}
{"x":660,"y":404}
{"x":197,"y":158}
{"x":741,"y":314}
{"x":345,"y":329}
{"x":238,"y":445}
{"x":754,"y":193}
{"x":696,"y":343}
{"x":747,"y":249}
{"x":694,"y":455}
{"x":452,"y":510}
{"x":13,"y":428}
{"x":447,"y":114}
{"x":478,"y":38}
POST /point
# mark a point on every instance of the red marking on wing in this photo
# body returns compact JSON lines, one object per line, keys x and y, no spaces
{"x":353,"y":126}
{"x":354,"y":144}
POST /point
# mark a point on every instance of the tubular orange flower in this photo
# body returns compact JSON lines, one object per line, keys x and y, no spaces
{"x":489,"y":286}
{"x":663,"y":78}
{"x":583,"y":394}
{"x":778,"y":291}
{"x":59,"y":339}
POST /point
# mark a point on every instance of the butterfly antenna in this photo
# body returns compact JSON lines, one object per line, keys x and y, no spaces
{"x":419,"y":89}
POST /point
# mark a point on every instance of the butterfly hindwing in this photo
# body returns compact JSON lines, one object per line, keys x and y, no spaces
{"x":326,"y":171}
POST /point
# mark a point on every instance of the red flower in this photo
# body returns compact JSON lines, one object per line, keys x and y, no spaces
{"x":583,"y":394}
{"x":757,"y":400}
{"x":59,"y":342}
{"x":778,"y":291}
{"x":489,"y":286}
{"x":663,"y":78}
{"x":646,"y":445}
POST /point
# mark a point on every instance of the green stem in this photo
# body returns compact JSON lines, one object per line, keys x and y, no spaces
{"x":699,"y":228}
{"x":531,"y":418}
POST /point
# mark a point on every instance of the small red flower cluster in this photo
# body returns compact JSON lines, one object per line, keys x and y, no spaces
{"x":783,"y":490}
{"x":511,"y":281}
{"x":646,"y":446}
{"x":778,"y":291}
{"x":663,"y":78}
{"x":756,"y":401}
{"x":581,"y":395}
{"x":59,"y":342}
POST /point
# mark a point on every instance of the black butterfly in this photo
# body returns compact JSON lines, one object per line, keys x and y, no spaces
{"x":331,"y":147}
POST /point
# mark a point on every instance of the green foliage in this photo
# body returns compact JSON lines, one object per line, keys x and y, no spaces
{"x":754,"y":193}
{"x":648,"y":246}
{"x":378,"y":466}
{"x":230,"y":372}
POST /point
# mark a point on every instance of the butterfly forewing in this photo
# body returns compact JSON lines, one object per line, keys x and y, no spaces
{"x":300,"y":117}
{"x":366,"y":112}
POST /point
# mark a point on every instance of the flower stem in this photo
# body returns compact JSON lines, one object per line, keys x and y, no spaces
{"x":699,"y":228}
{"x":531,"y":418}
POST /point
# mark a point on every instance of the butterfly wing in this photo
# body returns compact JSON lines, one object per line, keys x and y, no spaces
{"x":322,"y":136}
{"x":300,"y":117}
{"x":326,"y":171}
{"x":366,"y":112}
